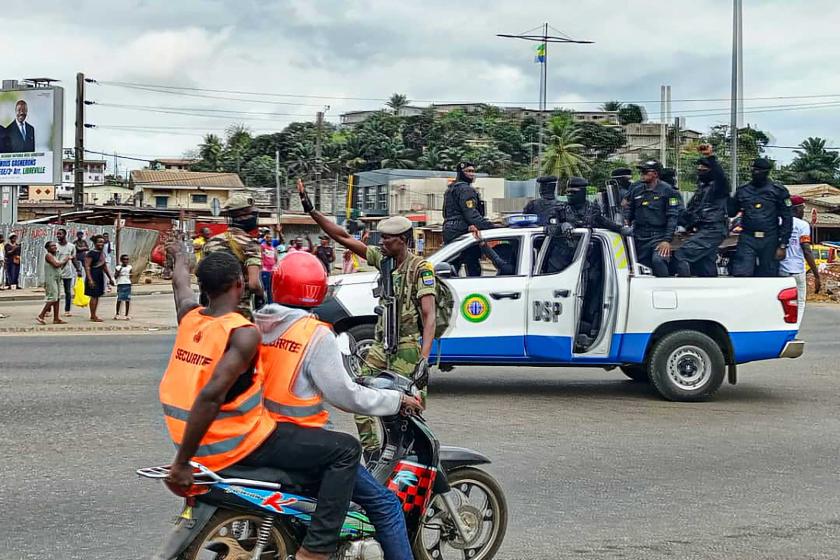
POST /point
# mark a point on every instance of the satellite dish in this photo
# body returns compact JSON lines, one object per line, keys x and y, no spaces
{"x":215,"y":207}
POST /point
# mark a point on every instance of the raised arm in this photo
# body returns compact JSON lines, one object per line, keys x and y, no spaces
{"x":336,"y":232}
{"x":181,"y":287}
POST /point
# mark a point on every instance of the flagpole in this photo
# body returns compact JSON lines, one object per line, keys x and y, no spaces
{"x":543,"y":39}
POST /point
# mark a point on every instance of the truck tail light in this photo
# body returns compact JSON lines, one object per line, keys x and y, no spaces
{"x":789,"y":304}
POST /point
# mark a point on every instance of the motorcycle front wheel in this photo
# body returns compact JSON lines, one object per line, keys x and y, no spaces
{"x":233,"y":536}
{"x":483,"y":510}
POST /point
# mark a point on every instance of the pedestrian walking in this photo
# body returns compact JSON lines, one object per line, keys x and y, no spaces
{"x":766,"y":223}
{"x":82,"y":248}
{"x":2,"y":262}
{"x":462,"y":208}
{"x":108,"y":249}
{"x":122,"y":273}
{"x":269,"y":261}
{"x":52,"y":282}
{"x":421,"y":245}
{"x":12,"y":253}
{"x":96,"y":270}
{"x":70,"y":270}
{"x":653,"y":208}
{"x":705,"y":216}
{"x":798,"y":253}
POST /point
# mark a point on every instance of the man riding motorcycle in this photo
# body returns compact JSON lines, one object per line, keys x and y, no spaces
{"x":212,"y":397}
{"x":302,"y":367}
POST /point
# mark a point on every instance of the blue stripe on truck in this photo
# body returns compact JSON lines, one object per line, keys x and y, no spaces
{"x":627,"y":348}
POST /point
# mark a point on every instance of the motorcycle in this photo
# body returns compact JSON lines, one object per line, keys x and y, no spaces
{"x":452,"y":509}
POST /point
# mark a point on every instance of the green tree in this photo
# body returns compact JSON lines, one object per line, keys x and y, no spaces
{"x":397,"y":102}
{"x":631,"y":113}
{"x":395,"y":155}
{"x":612,"y":106}
{"x":258,"y":172}
{"x":814,"y":163}
{"x":210,"y":152}
{"x":600,"y":141}
{"x":564,"y":154}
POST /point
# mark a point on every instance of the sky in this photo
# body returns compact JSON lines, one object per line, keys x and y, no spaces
{"x":303,"y":55}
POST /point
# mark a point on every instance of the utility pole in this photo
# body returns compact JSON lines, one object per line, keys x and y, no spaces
{"x":543,"y":39}
{"x":663,"y":124}
{"x":277,"y":186}
{"x":79,"y":155}
{"x":319,"y":122}
{"x":334,"y":194}
{"x":736,"y":72}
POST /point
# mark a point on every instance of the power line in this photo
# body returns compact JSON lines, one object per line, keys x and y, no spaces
{"x":174,"y":89}
{"x":195,"y":109}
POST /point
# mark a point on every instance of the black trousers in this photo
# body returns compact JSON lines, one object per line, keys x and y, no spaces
{"x":647,"y":255}
{"x":698,"y":255}
{"x":756,"y":256}
{"x":334,"y":455}
{"x":67,"y":284}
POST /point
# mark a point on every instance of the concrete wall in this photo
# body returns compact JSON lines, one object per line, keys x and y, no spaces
{"x":182,"y":198}
{"x":137,"y":243}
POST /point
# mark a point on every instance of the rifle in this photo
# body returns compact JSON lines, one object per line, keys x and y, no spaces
{"x":611,"y":197}
{"x":388,"y":307}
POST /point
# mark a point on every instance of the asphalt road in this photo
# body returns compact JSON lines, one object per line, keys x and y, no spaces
{"x":594,"y":466}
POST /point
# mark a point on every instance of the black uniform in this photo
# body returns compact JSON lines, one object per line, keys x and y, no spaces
{"x":766,"y":225}
{"x":462,"y":208}
{"x":503,"y":258}
{"x":653,"y":213}
{"x":706,"y":215}
{"x":544,"y":206}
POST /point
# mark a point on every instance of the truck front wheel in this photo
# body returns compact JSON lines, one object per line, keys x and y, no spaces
{"x":686,"y":366}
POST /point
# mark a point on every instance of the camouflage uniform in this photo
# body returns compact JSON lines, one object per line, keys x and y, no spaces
{"x":408,"y":347}
{"x":246,"y":250}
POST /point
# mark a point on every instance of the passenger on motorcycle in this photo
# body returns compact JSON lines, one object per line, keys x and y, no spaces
{"x":302,"y":367}
{"x":211,"y":394}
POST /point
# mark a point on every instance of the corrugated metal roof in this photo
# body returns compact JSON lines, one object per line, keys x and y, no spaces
{"x":175,"y":179}
{"x":813,"y":189}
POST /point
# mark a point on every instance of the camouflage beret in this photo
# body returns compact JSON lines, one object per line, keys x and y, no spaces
{"x":395,"y":225}
{"x":238,"y":201}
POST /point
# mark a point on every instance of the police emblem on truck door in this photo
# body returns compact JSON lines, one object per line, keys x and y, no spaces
{"x":548,"y":311}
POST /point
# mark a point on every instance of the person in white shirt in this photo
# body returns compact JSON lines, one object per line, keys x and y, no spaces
{"x":798,"y":252}
{"x":123,"y":276}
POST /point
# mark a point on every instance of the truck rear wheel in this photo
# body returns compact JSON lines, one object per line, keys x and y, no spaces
{"x":686,"y":366}
{"x":363,"y":338}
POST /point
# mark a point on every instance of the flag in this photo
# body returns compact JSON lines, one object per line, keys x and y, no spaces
{"x":540,"y":53}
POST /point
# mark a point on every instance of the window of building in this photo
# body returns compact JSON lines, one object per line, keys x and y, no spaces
{"x":161,"y":201}
{"x":370,"y":198}
{"x":382,"y":198}
{"x":430,"y":202}
{"x":198,"y":199}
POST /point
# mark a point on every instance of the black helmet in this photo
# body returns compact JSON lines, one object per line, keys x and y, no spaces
{"x":650,"y":165}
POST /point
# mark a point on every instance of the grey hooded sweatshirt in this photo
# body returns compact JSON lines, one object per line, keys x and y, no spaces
{"x":322,"y":371}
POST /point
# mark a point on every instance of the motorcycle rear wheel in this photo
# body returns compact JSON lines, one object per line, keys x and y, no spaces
{"x":233,"y":536}
{"x":438,"y":539}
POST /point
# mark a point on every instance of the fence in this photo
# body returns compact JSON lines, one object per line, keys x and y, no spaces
{"x":135,"y":242}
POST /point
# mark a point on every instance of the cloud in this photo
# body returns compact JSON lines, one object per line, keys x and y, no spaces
{"x":431,"y":50}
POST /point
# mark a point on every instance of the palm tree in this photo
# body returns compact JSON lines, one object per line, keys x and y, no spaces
{"x":301,"y":158}
{"x":395,"y":155}
{"x":431,"y":158}
{"x":612,"y":106}
{"x":210,"y":152}
{"x":815,"y":162}
{"x":397,"y":102}
{"x":563,"y":155}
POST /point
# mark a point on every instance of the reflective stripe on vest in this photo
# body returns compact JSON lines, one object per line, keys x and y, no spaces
{"x":241,"y":425}
{"x":280,"y":363}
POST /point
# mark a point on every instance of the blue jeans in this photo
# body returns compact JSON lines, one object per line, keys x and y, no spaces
{"x":384,"y":510}
{"x":266,"y":282}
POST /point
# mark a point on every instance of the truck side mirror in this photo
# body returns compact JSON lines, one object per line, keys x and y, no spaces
{"x":443,"y":269}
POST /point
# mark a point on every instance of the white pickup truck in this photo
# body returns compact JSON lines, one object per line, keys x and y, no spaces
{"x":601,"y":310}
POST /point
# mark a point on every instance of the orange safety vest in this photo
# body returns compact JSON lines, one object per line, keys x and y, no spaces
{"x":280,"y":363}
{"x":242,"y":425}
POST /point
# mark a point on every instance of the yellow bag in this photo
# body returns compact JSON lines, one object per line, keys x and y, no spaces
{"x":79,"y":297}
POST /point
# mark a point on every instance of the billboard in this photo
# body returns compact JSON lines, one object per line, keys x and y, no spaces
{"x":31,"y":130}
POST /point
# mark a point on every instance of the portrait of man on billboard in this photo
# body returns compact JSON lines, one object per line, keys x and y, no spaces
{"x":20,"y":135}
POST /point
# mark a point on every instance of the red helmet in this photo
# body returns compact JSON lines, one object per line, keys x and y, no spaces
{"x":299,"y":280}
